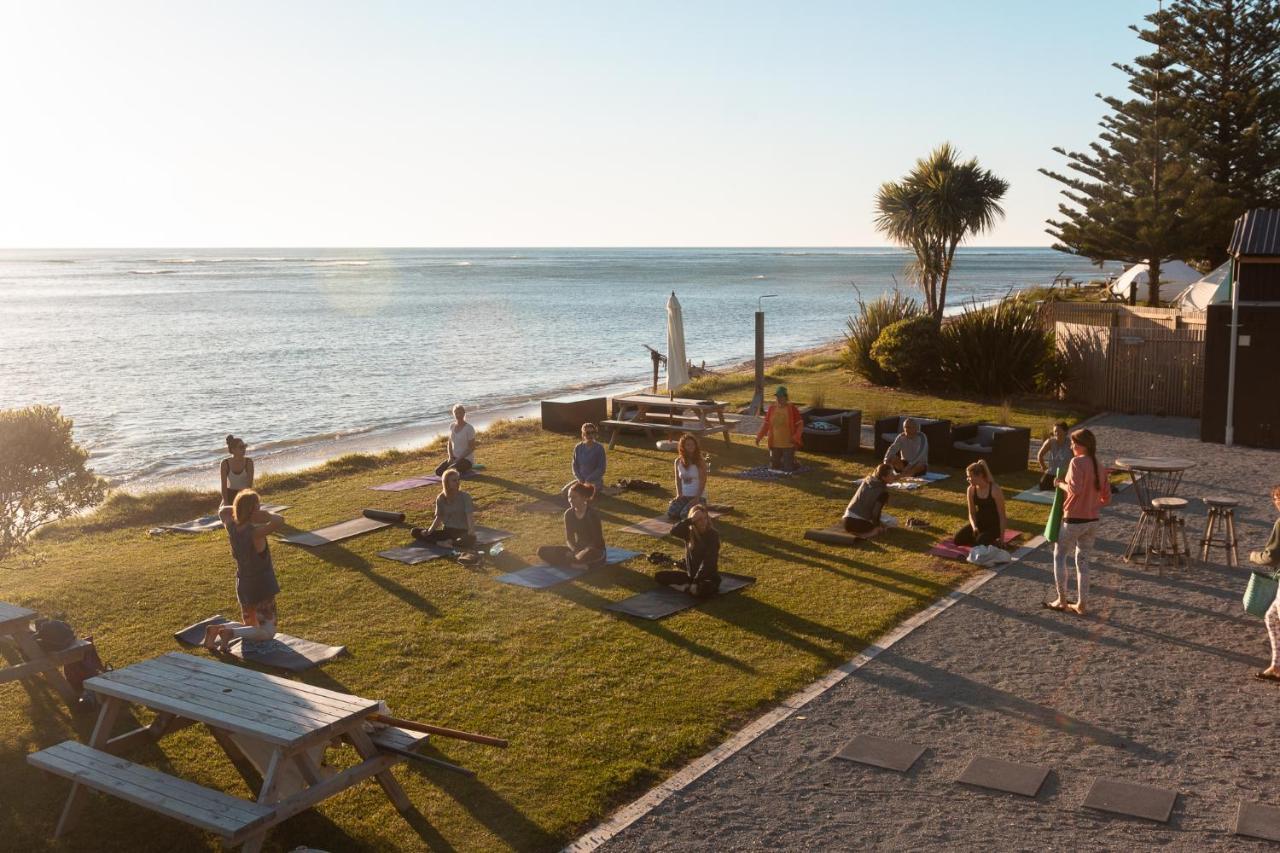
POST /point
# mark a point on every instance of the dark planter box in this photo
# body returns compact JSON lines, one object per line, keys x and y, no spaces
{"x":847,"y":440}
{"x":569,"y":415}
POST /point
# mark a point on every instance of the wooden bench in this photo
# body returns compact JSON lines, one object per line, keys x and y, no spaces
{"x":228,"y":817}
{"x":50,"y":661}
{"x":651,"y":427}
{"x":395,"y":737}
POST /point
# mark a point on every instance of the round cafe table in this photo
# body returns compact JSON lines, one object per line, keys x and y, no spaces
{"x":1153,"y":477}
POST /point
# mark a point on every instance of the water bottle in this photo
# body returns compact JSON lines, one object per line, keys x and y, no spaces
{"x":495,"y":549}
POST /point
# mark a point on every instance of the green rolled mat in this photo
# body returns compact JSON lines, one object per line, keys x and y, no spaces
{"x":1259,"y":594}
{"x":1054,"y":524}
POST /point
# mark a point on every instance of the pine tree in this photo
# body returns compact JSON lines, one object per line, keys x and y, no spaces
{"x":1138,"y":194}
{"x":1230,"y":51}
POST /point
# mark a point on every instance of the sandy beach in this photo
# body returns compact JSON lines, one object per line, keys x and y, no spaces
{"x":1155,"y":686}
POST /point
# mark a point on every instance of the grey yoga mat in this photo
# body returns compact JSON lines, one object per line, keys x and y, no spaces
{"x":420,"y":552}
{"x":335,"y":532}
{"x":211,"y":522}
{"x":283,"y":652}
{"x":541,"y":576}
{"x":657,"y":603}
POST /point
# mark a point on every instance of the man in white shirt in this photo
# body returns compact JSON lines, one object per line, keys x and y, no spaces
{"x":462,"y":444}
{"x":909,"y":453}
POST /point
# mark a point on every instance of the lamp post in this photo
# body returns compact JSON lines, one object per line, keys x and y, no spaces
{"x":756,"y":406}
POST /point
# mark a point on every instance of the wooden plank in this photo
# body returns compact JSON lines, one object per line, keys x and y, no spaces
{"x":107,"y":716}
{"x":390,"y":786}
{"x":51,"y":660}
{"x":14,"y":618}
{"x":316,"y":694}
{"x":162,"y":725}
{"x":348,"y":778}
{"x":32,"y":652}
{"x":188,"y":802}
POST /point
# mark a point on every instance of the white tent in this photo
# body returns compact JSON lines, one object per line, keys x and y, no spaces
{"x":1206,"y":291}
{"x":1174,"y":278}
{"x":677,"y":364}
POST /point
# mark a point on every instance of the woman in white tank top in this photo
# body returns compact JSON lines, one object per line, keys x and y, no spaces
{"x":691,"y":478}
{"x":236,"y":473}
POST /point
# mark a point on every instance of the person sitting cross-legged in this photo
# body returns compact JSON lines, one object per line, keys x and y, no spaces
{"x":699,"y":569}
{"x":454,"y":518}
{"x":909,"y":453}
{"x":583,"y":534}
{"x":589,"y":460}
{"x":461,"y":445}
{"x":985,"y":502}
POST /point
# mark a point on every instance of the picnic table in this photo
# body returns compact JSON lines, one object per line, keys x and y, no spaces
{"x":1154,"y":478}
{"x":660,"y":413}
{"x":275,"y":732}
{"x":27,"y":660}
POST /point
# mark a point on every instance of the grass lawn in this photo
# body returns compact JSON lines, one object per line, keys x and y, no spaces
{"x":598,"y":707}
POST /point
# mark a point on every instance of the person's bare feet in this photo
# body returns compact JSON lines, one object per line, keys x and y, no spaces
{"x":1056,"y":604}
{"x":211,"y":633}
{"x":1268,"y":674}
{"x":1076,"y":608}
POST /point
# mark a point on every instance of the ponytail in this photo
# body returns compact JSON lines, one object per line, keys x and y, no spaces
{"x":1086,"y":439}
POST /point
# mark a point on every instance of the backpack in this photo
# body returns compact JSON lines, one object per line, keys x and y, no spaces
{"x":54,"y":635}
{"x":90,"y":664}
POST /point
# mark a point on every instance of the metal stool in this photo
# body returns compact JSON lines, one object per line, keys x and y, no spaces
{"x":1222,"y":511}
{"x":1170,"y":536}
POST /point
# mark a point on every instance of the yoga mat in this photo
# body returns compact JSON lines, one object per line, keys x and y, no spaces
{"x":837,"y":535}
{"x":660,"y":526}
{"x":948,"y":549}
{"x":420,"y":480}
{"x":211,"y":522}
{"x":420,"y":552}
{"x":545,"y":507}
{"x":1054,"y":523}
{"x":282,"y":652}
{"x":910,"y":484}
{"x":384,"y":515}
{"x":1035,"y":496}
{"x":335,"y":532}
{"x":541,"y":576}
{"x":664,"y":601}
{"x":765,"y":473}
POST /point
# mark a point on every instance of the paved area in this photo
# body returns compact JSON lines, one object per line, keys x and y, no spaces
{"x":1154,"y":686}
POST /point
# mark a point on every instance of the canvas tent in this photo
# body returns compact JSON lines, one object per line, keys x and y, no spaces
{"x":1203,"y":293}
{"x":1174,"y":278}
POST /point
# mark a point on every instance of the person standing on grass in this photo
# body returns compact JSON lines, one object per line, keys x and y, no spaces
{"x":583,"y":545}
{"x":248,"y":527}
{"x":455,"y":517}
{"x":862,"y":515}
{"x":1087,"y":491}
{"x":588,"y":460}
{"x":1055,"y":453}
{"x":1270,"y":556}
{"x":987,"y":520}
{"x":784,"y":427}
{"x":699,"y":570}
{"x":909,"y":453}
{"x":236,"y":471}
{"x":462,"y":444}
{"x":691,"y":477}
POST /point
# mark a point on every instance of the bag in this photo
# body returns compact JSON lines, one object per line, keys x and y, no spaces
{"x":54,"y":635}
{"x":78,"y":671}
{"x":1260,"y":593}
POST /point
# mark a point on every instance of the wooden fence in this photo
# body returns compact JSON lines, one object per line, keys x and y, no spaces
{"x":1121,"y":316}
{"x":1151,"y":370}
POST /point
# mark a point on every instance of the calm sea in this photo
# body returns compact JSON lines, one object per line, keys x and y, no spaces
{"x":158,"y":354}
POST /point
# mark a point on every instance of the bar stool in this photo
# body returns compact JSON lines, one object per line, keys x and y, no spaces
{"x":1222,"y":511}
{"x":1170,"y":539}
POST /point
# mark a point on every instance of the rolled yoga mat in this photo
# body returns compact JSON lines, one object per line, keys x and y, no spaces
{"x":384,"y":515}
{"x":1054,"y":524}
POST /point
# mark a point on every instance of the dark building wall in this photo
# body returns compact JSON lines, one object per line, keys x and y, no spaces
{"x":1259,"y":282}
{"x":1257,"y":396}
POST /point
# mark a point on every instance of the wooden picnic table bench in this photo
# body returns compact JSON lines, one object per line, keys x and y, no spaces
{"x":656,"y":413}
{"x":275,"y":732}
{"x":27,"y":660}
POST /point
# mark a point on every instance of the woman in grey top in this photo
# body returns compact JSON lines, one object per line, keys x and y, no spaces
{"x":862,"y":516}
{"x":248,"y":527}
{"x":455,"y":515}
{"x":1055,"y":453}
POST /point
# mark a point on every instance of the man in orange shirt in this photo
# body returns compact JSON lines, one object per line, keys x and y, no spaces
{"x":784,"y":427}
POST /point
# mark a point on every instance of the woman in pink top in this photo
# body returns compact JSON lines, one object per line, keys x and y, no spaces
{"x":1083,"y":485}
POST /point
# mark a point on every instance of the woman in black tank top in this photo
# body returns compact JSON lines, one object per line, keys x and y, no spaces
{"x":986,"y":509}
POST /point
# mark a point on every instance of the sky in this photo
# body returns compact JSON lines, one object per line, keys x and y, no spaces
{"x":183,"y":124}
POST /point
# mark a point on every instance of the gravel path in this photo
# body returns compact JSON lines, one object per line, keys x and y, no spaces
{"x":1154,"y":686}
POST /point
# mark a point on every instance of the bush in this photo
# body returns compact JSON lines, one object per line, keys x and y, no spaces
{"x":873,"y":318}
{"x":999,"y":350}
{"x":908,"y":350}
{"x":42,"y":473}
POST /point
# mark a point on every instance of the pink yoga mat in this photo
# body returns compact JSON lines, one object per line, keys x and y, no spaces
{"x":949,"y":550}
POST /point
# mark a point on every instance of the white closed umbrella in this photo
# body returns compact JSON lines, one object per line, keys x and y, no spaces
{"x":677,"y":364}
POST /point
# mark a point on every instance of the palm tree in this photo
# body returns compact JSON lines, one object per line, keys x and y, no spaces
{"x":933,"y":209}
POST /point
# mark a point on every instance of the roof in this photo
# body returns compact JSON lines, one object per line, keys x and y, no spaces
{"x":1257,"y":233}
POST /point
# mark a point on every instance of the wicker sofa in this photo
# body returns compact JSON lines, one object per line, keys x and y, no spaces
{"x":937,"y":431}
{"x":844,"y":439}
{"x":1005,"y":448}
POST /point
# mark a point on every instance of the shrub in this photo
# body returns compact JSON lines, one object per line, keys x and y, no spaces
{"x":999,"y":350}
{"x":908,"y":350}
{"x":42,"y":473}
{"x":873,"y":318}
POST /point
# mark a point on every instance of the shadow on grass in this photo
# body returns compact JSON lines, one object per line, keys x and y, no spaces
{"x":338,"y":556}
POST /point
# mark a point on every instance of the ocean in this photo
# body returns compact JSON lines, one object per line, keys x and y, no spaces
{"x":309,"y":353}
